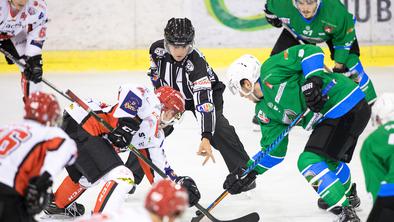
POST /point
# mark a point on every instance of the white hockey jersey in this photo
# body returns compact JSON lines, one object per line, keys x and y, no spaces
{"x":26,"y":28}
{"x":29,"y":148}
{"x":133,"y":101}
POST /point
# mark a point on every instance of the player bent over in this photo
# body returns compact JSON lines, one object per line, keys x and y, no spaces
{"x":138,"y":118}
{"x":377,"y":159}
{"x":32,"y":152}
{"x":285,"y":86}
{"x":22,"y":34}
{"x":166,"y":201}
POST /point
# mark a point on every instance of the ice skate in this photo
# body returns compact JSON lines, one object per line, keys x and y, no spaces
{"x":348,"y":214}
{"x":73,"y":210}
{"x":354,"y":201}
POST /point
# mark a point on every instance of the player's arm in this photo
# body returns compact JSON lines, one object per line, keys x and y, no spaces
{"x":155,"y":55}
{"x":343,"y":37}
{"x":61,"y":151}
{"x":234,"y":182}
{"x":311,"y":59}
{"x":36,"y":35}
{"x":270,"y":15}
{"x":203,"y":100}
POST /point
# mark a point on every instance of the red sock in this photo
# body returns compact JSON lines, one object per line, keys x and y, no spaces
{"x":67,"y":192}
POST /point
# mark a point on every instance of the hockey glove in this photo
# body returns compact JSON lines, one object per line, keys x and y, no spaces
{"x":33,"y":71}
{"x":191,"y":187}
{"x":312,"y":90}
{"x":121,"y":136}
{"x":234,"y":184}
{"x":272,"y":18}
{"x":38,"y":193}
{"x":353,"y":75}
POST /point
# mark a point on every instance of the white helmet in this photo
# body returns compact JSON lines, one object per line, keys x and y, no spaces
{"x":383,"y":109}
{"x":245,"y":67}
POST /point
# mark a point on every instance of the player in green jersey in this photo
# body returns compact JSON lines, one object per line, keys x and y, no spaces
{"x":377,"y":159}
{"x":285,"y":86}
{"x":317,"y":21}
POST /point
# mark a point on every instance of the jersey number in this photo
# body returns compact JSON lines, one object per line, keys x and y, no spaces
{"x":12,"y":140}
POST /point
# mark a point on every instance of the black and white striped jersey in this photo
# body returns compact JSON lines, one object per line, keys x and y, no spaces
{"x":193,"y":77}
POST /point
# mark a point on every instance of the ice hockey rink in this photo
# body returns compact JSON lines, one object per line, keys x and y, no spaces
{"x":282,"y":194}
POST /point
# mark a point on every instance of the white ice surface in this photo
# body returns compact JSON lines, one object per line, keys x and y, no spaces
{"x":282,"y":194}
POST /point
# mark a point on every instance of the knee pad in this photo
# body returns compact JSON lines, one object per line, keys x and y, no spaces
{"x":121,"y":175}
{"x":343,"y":172}
{"x":319,"y":176}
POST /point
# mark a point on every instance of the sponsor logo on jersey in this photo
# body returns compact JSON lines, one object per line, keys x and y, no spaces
{"x":160,"y":51}
{"x":131,"y":103}
{"x":205,"y":108}
{"x":288,"y":116}
{"x":202,"y":84}
{"x":350,"y":30}
{"x":286,"y":54}
{"x":41,"y":15}
{"x":189,"y":66}
{"x":262,"y":117}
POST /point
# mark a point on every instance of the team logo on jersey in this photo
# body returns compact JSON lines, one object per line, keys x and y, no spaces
{"x":23,"y":16}
{"x":160,"y":51}
{"x":288,"y":116}
{"x":205,"y":108}
{"x":131,"y":103}
{"x":189,"y":66}
{"x":262,"y":117}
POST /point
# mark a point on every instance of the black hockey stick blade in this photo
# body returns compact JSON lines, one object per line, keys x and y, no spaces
{"x":252,"y":217}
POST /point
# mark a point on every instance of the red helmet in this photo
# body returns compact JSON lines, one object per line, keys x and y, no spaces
{"x":167,"y":198}
{"x":43,"y":108}
{"x":171,"y":99}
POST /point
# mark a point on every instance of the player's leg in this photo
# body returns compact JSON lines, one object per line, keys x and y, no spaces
{"x":363,"y":79}
{"x":63,"y":202}
{"x":119,"y":181}
{"x":225,"y":139}
{"x":342,"y":171}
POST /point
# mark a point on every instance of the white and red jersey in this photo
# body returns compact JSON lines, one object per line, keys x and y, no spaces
{"x":29,"y":148}
{"x":133,"y":101}
{"x":26,"y":28}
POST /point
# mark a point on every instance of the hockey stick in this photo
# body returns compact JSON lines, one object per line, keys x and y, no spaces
{"x":248,"y":218}
{"x":261,"y":154}
{"x":23,"y":66}
{"x":298,"y":38}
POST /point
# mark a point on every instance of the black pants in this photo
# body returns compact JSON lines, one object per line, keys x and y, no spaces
{"x":96,"y":157}
{"x":337,"y":138}
{"x":225,"y":139}
{"x":287,"y":40}
{"x":12,"y":206}
{"x":382,"y":210}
